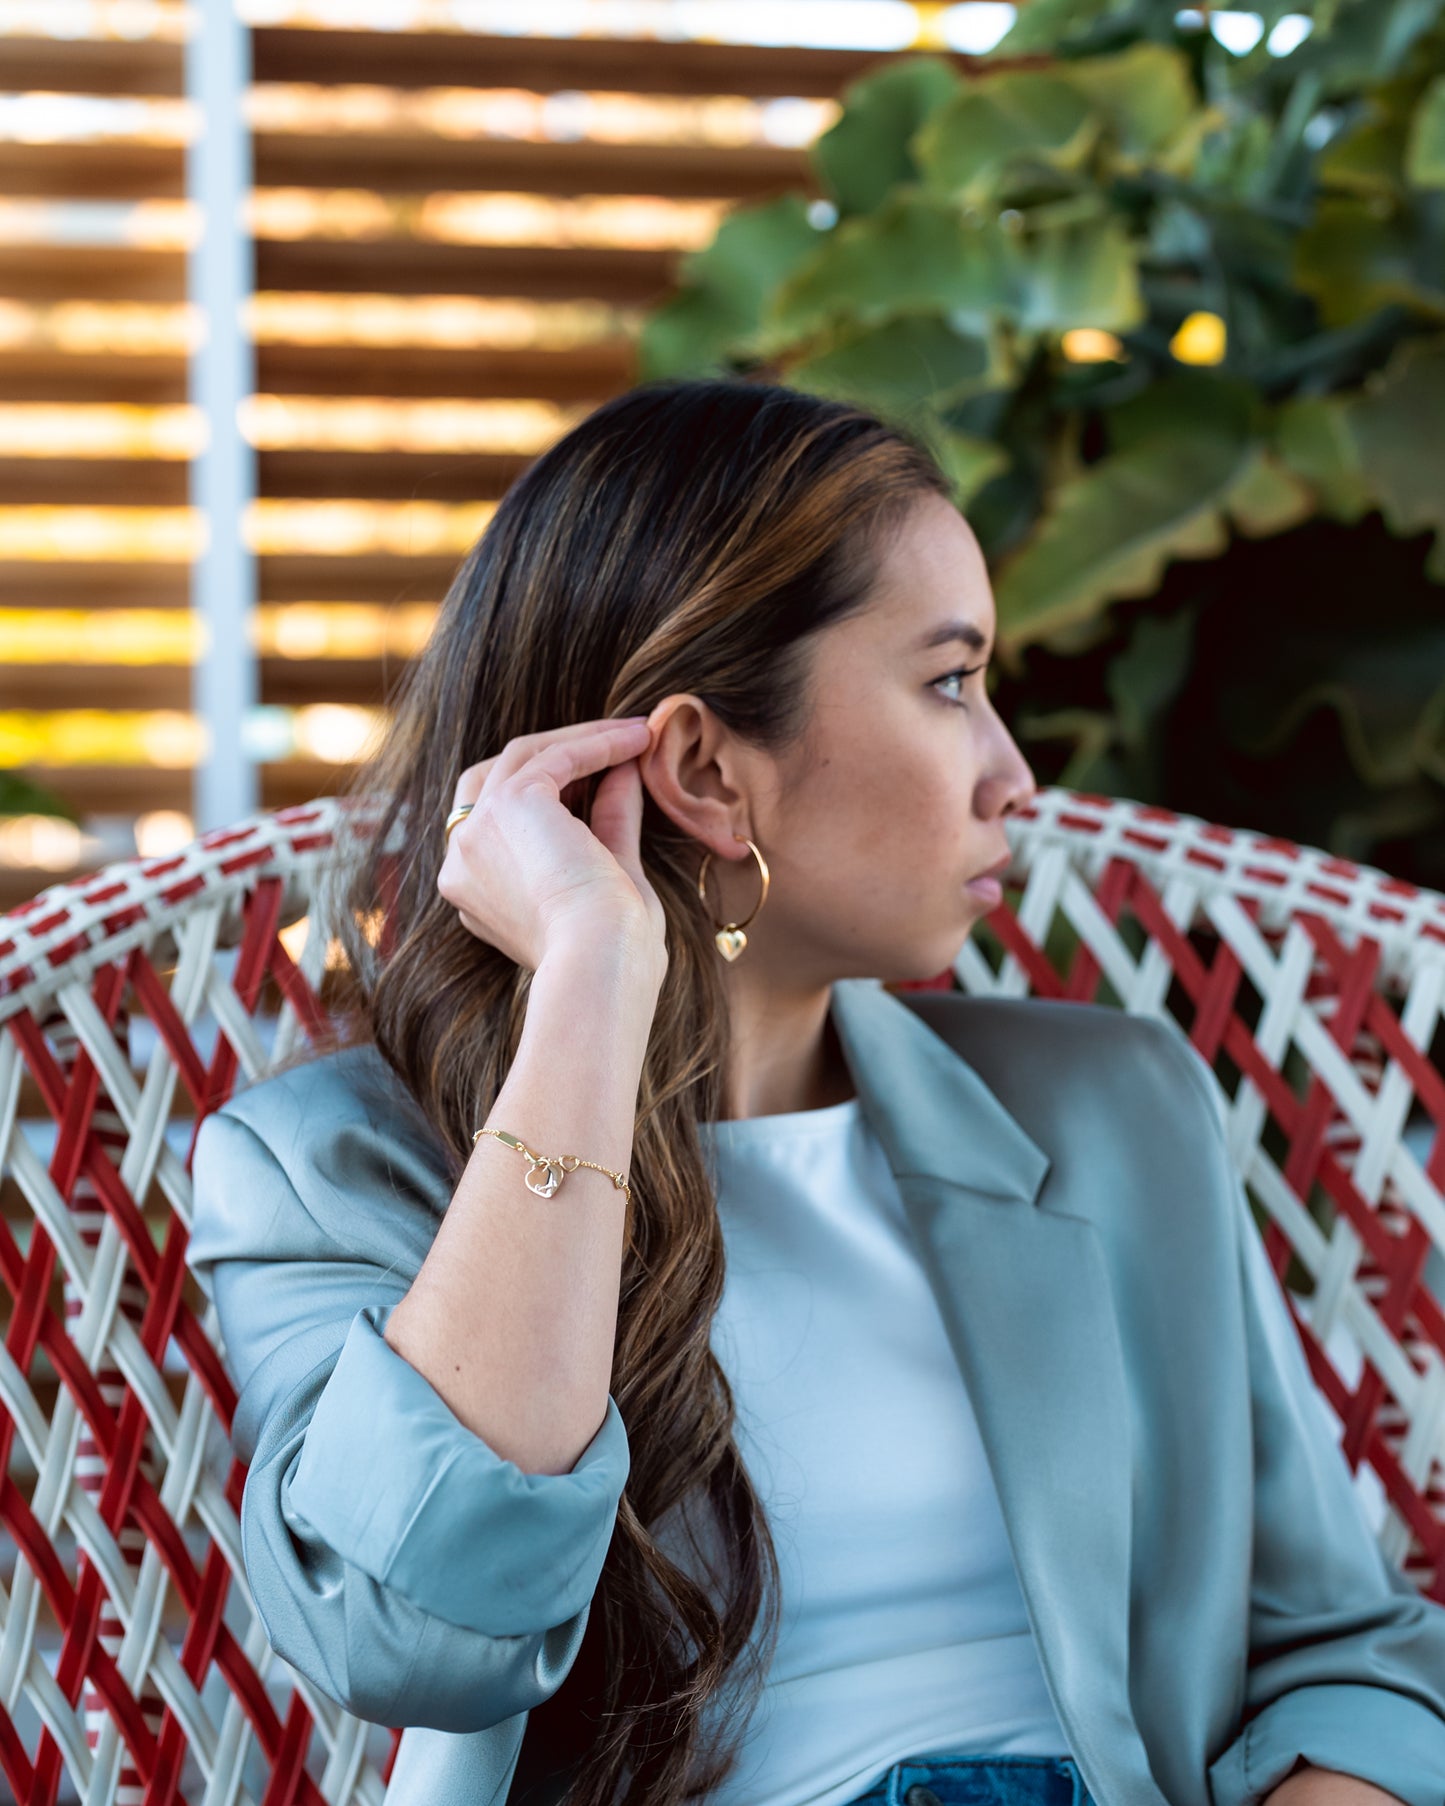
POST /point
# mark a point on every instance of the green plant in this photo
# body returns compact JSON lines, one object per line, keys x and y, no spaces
{"x":1174,"y":319}
{"x":19,"y":796}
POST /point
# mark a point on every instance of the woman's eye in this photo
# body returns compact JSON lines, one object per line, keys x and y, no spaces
{"x":967,"y":671}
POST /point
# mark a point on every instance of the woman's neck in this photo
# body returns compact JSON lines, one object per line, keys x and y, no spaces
{"x":783,"y":1066}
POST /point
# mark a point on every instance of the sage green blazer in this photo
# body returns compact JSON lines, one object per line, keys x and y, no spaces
{"x":1208,"y":1600}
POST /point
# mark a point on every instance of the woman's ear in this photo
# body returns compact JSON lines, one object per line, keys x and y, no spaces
{"x":688,"y":772}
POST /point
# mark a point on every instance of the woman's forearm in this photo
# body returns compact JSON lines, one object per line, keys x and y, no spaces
{"x":512,"y":1317}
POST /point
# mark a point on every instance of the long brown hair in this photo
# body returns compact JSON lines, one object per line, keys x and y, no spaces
{"x":686,"y":536}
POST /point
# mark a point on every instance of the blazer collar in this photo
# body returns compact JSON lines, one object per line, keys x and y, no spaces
{"x":1026,"y":1297}
{"x":932,"y":1112}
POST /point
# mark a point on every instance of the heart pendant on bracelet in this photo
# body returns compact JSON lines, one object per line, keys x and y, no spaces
{"x":730,"y":942}
{"x":553,"y":1170}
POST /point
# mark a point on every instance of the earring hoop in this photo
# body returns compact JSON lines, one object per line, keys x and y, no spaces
{"x":729,"y":938}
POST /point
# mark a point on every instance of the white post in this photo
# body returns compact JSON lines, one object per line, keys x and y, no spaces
{"x":223,"y":476}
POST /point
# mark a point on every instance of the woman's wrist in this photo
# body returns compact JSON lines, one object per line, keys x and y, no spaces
{"x":608,"y":981}
{"x":626,"y":964}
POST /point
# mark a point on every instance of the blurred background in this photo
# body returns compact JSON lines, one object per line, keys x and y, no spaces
{"x":290,"y":290}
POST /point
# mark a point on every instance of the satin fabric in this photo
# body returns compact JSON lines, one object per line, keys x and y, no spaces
{"x":1208,"y":1602}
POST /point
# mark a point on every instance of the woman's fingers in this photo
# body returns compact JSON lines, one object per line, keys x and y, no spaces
{"x":522,"y":871}
{"x":522,"y":747}
{"x":567,"y":761}
{"x":616,"y":815}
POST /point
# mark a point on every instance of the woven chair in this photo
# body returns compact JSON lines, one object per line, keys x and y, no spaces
{"x":133,"y":1666}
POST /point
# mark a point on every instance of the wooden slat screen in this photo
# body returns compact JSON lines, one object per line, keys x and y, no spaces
{"x":95,"y":535}
{"x":455,"y":236}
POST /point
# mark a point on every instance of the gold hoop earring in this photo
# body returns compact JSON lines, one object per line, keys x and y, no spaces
{"x":729,"y":937}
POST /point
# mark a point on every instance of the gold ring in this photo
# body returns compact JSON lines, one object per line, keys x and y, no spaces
{"x":455,"y":816}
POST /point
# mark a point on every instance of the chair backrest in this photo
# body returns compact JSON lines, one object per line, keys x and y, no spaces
{"x":132,"y":1001}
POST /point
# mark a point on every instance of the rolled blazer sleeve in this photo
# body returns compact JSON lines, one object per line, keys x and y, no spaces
{"x":1346,"y":1664}
{"x":396,"y":1560}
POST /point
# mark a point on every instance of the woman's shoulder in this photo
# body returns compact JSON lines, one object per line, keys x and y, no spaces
{"x":1003,"y":1028}
{"x":353,"y":1081}
{"x":1051,"y":1060}
{"x":334,"y":1145}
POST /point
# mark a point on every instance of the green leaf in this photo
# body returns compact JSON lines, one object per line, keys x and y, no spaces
{"x":725,"y":287}
{"x":1396,"y":425}
{"x":867,"y":152}
{"x":1142,"y":101}
{"x":1193,"y":401}
{"x":1045,"y":24}
{"x":1085,"y":275}
{"x":1183,"y":445}
{"x":1367,"y":42}
{"x":1356,"y":257}
{"x":902,"y":364}
{"x":1147,"y":96}
{"x":1089,"y":765}
{"x":1144,"y":679}
{"x":1267,"y":498}
{"x":918,"y":254}
{"x":1425,"y":154}
{"x":1312,"y":435}
{"x":991,"y":122}
{"x":1367,"y":160}
{"x":1179,"y":231}
{"x":970,"y":462}
{"x":1385,"y":687}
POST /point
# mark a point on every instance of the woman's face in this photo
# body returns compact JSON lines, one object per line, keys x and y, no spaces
{"x":896,"y":797}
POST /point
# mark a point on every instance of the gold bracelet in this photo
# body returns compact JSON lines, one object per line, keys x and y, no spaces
{"x":556,"y":1170}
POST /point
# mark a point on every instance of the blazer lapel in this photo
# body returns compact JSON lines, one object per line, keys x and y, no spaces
{"x":1024,"y":1294}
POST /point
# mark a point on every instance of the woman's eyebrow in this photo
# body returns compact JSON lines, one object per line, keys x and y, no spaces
{"x":954,"y":630}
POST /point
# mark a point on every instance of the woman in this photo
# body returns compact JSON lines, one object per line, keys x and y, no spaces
{"x":660,"y":1342}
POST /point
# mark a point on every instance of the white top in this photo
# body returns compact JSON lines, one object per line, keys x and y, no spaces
{"x":904,"y":1631}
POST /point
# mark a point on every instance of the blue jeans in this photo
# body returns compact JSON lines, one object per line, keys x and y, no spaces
{"x":979,"y":1781}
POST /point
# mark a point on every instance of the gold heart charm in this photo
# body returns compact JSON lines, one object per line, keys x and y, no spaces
{"x":553,"y":1170}
{"x":730,"y":942}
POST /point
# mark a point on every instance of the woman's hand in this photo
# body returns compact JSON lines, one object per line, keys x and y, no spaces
{"x":1306,"y":1785}
{"x":525,"y":874}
